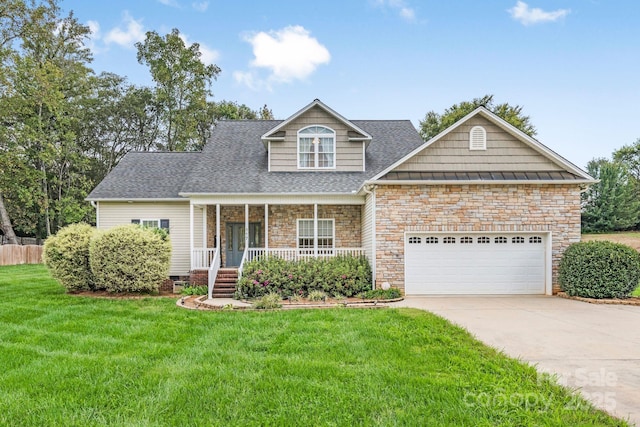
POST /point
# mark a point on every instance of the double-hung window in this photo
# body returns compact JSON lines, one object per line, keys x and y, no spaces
{"x":325,"y":234}
{"x":316,"y":148}
{"x":152,"y":223}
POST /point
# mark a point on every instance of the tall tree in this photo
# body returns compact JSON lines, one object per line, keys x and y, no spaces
{"x":45,"y":82}
{"x":183,"y":84}
{"x":434,"y":123}
{"x":610,"y":204}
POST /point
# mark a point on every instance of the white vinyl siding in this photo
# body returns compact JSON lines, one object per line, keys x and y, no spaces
{"x":120,"y":213}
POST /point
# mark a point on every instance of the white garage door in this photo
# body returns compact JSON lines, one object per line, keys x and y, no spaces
{"x":474,"y":263}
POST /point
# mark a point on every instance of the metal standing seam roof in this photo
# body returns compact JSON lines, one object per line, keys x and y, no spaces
{"x":480,"y":176}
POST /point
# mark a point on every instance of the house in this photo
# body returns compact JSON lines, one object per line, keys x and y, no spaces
{"x":481,"y":208}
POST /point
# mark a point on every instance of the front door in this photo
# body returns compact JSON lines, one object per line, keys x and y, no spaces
{"x":235,"y":241}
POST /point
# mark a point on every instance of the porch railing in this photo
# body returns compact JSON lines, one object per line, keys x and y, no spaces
{"x":213,"y":272}
{"x":202,"y":258}
{"x":291,"y":254}
{"x":244,"y":259}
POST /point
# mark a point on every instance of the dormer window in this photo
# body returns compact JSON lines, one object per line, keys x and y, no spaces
{"x":477,"y":138}
{"x":316,"y":148}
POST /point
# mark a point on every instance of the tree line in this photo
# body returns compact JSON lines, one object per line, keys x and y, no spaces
{"x":63,"y":126}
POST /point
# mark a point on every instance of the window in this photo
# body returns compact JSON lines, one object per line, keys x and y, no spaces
{"x":316,"y":148}
{"x":535,"y":239}
{"x":477,"y":138}
{"x":152,"y":223}
{"x":449,"y":240}
{"x":517,"y":239}
{"x":413,"y":240}
{"x":500,"y":239}
{"x":431,"y":240}
{"x":484,"y":240}
{"x":325,"y":233}
{"x":466,"y":240}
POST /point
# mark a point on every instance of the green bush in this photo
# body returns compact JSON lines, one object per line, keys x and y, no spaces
{"x":130,"y":258}
{"x":344,"y":275}
{"x":268,"y":301}
{"x":195,"y":290}
{"x":66,"y":254}
{"x":391,"y":293}
{"x":599,"y":269}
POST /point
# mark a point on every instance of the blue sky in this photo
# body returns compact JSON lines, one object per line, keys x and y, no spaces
{"x":573,"y":65}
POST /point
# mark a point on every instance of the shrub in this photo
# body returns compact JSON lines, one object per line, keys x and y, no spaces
{"x":130,"y":258}
{"x":391,"y":293}
{"x":316,"y":295}
{"x":268,"y":301}
{"x":344,"y":275}
{"x":195,"y":290}
{"x":66,"y":254}
{"x":599,"y":269}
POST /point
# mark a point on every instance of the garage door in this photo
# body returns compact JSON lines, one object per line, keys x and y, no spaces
{"x":475,"y":264}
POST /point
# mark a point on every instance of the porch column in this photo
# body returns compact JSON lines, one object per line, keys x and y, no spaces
{"x":266,"y":227}
{"x":246,"y":226}
{"x":191,"y":233}
{"x":204,"y":227}
{"x":315,"y":229}
{"x":218,"y":228}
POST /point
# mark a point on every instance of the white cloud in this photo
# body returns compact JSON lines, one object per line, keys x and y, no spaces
{"x":407,"y":13}
{"x":207,"y":54}
{"x":289,"y":54}
{"x":172,"y":3}
{"x":522,"y":13}
{"x":133,"y":33}
{"x":201,"y":6}
{"x":94,"y":27}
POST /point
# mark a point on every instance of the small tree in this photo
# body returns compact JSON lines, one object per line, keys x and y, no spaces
{"x":609,"y":205}
{"x":66,"y":254}
{"x":130,"y":258}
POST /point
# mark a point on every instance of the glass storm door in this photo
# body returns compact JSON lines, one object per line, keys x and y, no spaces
{"x":235,"y":241}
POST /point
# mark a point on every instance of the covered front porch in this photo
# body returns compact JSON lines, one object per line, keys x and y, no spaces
{"x":219,"y":237}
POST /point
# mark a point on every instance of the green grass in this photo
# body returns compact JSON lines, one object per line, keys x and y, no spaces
{"x":68,"y":360}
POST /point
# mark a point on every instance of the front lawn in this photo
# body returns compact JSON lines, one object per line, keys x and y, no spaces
{"x":71,"y":360}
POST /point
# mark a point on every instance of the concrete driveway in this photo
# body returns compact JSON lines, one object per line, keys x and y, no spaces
{"x":592,"y":347}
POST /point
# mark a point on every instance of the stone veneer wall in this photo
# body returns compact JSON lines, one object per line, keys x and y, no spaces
{"x":283,"y":223}
{"x":523,"y":207}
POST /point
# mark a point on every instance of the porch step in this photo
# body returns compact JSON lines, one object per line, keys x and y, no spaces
{"x":225,"y":285}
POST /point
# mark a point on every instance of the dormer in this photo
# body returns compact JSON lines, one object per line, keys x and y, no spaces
{"x":316,"y":139}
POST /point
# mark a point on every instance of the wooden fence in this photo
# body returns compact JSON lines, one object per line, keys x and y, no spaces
{"x":18,"y":254}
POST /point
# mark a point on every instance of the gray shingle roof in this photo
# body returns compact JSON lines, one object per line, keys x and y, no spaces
{"x":146,"y":175}
{"x":235,"y":161}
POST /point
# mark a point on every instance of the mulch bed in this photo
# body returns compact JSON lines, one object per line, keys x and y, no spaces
{"x":626,"y":301}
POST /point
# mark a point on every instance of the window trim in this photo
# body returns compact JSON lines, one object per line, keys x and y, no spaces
{"x":312,"y":238}
{"x":315,"y":149}
{"x":159,"y":222}
{"x":474,"y":145}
